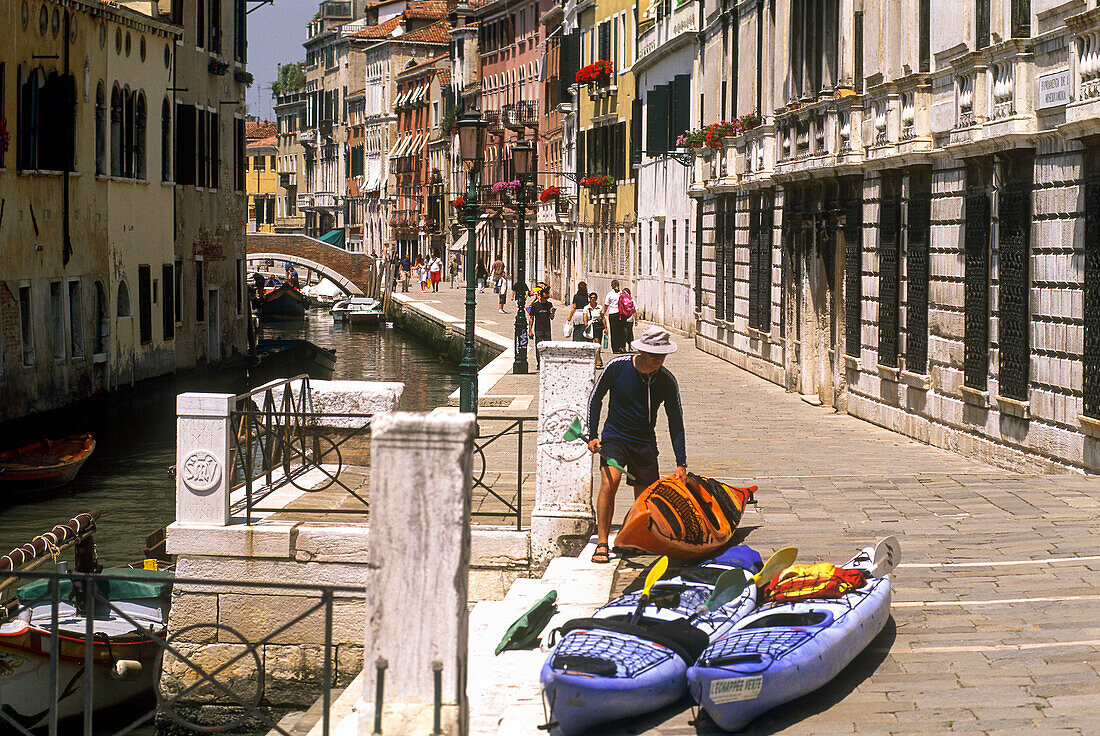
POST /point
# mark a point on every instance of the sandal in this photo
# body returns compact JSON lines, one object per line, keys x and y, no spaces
{"x":604,"y":557}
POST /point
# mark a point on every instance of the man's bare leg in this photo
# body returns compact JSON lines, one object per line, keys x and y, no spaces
{"x":605,"y":503}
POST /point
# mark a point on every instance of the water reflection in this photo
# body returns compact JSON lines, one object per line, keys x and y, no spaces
{"x":127,"y":477}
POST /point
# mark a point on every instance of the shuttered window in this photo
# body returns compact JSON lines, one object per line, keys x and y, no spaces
{"x":679,"y":110}
{"x":889,"y":272}
{"x":853,"y":272}
{"x":603,"y":52}
{"x":636,"y":132}
{"x":1014,"y":280}
{"x":976,"y":297}
{"x":185,"y":144}
{"x":919,"y":231}
{"x":657,"y":119}
{"x":168,"y":308}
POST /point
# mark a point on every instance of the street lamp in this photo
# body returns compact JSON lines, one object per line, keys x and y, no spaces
{"x":472,"y":134}
{"x":523,"y":158}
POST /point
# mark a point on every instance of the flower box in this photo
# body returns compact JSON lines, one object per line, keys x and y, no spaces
{"x":218,"y":67}
{"x":595,"y":73}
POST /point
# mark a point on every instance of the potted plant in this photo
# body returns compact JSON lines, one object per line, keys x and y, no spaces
{"x":218,"y":67}
{"x":243,"y":77}
{"x":690,"y":139}
{"x":458,"y":202}
{"x":549,"y":193}
{"x":750,"y":120}
{"x":598,"y":72}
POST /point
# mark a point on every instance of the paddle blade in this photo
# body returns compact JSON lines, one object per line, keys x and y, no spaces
{"x":615,"y":464}
{"x":652,"y":577}
{"x":574,"y":430}
{"x":776,"y":564}
{"x":729,"y":586}
{"x":886,"y":557}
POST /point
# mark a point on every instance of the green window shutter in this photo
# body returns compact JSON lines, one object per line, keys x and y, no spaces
{"x":656,"y":138}
{"x":568,"y":62}
{"x":680,"y":113}
{"x":581,"y":170}
{"x":636,"y":132}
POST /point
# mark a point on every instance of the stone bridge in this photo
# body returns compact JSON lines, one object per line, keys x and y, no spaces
{"x":355,"y":273}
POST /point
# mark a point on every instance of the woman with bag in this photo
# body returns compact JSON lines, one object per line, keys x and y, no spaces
{"x":576,"y":313}
{"x":594,"y":321}
{"x":626,"y":312}
{"x":501,"y":288}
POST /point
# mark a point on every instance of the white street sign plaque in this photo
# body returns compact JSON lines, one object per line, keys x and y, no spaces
{"x":1052,"y":90}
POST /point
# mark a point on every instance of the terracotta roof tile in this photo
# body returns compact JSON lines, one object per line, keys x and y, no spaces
{"x":270,"y":142}
{"x":382,"y":30}
{"x":435,"y":33}
{"x":256,"y":129}
{"x":427,"y":10}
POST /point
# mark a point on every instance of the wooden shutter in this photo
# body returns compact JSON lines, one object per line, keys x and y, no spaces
{"x":603,"y":51}
{"x":656,"y":137}
{"x":636,"y":132}
{"x":679,"y":113}
{"x":568,"y":62}
{"x":1091,"y":357}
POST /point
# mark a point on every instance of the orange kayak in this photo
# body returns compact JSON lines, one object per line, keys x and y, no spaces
{"x":684,"y":521}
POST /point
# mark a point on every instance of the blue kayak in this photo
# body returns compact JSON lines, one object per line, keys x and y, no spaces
{"x":783,"y":651}
{"x":605,"y":668}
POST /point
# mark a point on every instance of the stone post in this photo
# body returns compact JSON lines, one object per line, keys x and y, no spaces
{"x":562,"y":519}
{"x":417,"y":616}
{"x":202,"y":458}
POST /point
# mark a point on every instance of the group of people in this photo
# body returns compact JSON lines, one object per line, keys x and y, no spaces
{"x":591,"y":318}
{"x":428,"y":271}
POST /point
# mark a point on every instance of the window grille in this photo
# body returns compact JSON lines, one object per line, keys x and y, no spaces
{"x":729,"y":238}
{"x":1091,"y":357}
{"x":853,"y":272}
{"x":889,"y":274}
{"x":919,"y":231}
{"x":1014,"y":227}
{"x":976,"y":297}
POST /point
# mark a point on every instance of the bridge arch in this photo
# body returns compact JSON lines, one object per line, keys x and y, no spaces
{"x":355,"y":273}
{"x":343,"y":282}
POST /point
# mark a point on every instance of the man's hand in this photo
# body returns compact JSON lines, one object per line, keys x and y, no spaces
{"x":594,"y":445}
{"x":681,"y":474}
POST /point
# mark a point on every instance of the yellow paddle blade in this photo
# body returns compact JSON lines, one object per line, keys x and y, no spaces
{"x":655,"y":574}
{"x":776,"y":564}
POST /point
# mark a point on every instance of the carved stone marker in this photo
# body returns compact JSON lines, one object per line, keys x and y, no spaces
{"x":202,"y":458}
{"x":417,"y":618}
{"x":562,"y":519}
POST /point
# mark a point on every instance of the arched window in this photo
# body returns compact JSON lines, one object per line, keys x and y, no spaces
{"x":165,"y":141}
{"x":139,"y":136}
{"x":127,"y":133}
{"x":116,"y":132}
{"x":102,"y":318}
{"x":100,"y":130}
{"x":123,"y":300}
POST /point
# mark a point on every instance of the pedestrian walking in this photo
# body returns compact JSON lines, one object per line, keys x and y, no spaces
{"x":576,"y":312}
{"x":406,"y":273}
{"x":614,"y":321}
{"x":542,"y":314}
{"x":501,"y":289}
{"x":497,"y":268}
{"x":626,"y":314}
{"x":481,"y":275}
{"x":594,"y":324}
{"x":456,"y":269}
{"x":637,"y":385}
{"x":435,"y":271}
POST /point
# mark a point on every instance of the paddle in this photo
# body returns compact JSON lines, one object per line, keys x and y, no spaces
{"x":886,"y":557}
{"x":576,"y":432}
{"x":776,"y":564}
{"x":654,"y":575}
{"x":729,"y":585}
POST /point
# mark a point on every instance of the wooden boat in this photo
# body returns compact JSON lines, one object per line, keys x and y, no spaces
{"x":45,"y":464}
{"x":281,"y":302}
{"x":287,"y":358}
{"x":684,"y":521}
{"x":124,"y":652}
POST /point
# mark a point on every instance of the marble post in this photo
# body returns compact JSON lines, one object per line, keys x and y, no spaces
{"x":562,"y":519}
{"x":202,"y":458}
{"x":417,"y":616}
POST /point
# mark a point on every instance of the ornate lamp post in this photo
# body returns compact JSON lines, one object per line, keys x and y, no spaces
{"x":472,"y":134}
{"x":523,"y":157}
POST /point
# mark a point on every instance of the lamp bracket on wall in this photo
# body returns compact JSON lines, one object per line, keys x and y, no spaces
{"x":681,"y":157}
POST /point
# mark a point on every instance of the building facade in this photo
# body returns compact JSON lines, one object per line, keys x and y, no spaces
{"x":290,"y":116}
{"x":262,"y":183}
{"x":907,"y":235}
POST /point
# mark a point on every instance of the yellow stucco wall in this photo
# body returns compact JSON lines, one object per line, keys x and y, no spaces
{"x":261,"y":181}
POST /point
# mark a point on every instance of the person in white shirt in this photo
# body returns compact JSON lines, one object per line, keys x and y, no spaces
{"x":614,"y":321}
{"x":435,"y":271}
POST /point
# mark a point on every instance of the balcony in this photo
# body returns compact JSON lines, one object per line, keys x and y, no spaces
{"x":518,"y":116}
{"x":288,"y":178}
{"x":493,"y":118}
{"x":307,"y":137}
{"x":305,"y":201}
{"x":1011,"y":89}
{"x":326,"y":201}
{"x":1083,"y":111}
{"x":325,"y":128}
{"x":667,"y":27}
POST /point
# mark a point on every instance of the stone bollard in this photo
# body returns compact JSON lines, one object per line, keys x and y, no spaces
{"x":417,"y":616}
{"x":562,"y":519}
{"x":202,"y":458}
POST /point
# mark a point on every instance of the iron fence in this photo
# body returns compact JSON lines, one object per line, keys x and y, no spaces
{"x":167,"y":676}
{"x":502,"y":443}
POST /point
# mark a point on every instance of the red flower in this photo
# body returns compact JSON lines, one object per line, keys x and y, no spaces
{"x":597,"y":72}
{"x":549,"y":193}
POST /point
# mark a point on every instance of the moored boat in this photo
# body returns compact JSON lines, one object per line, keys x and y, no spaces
{"x":281,"y":301}
{"x":785,"y":650}
{"x":125,"y":617}
{"x":43,"y":465}
{"x":608,"y":667}
{"x":359,"y":311}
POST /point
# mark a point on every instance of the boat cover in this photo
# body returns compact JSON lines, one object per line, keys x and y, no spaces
{"x":113,"y":590}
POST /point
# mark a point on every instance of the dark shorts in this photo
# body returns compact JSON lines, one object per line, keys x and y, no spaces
{"x":640,"y":460}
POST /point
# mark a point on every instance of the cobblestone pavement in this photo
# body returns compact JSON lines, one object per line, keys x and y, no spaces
{"x":994,"y":627}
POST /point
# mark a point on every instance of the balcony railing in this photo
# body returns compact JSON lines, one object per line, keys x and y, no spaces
{"x":520,"y":115}
{"x":493,"y":118}
{"x":307,"y":137}
{"x":305,"y":201}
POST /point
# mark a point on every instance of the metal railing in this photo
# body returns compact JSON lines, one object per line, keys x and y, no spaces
{"x":169,"y":675}
{"x":279,"y":439}
{"x":506,"y":441}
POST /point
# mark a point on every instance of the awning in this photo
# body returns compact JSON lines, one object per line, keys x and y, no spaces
{"x":418,"y":95}
{"x":374,"y":181}
{"x":402,"y":98}
{"x":415,"y":147}
{"x":460,"y":244}
{"x":333,"y":237}
{"x":400,"y":144}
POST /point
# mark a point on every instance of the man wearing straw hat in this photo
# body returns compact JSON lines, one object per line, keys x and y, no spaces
{"x":638,"y":385}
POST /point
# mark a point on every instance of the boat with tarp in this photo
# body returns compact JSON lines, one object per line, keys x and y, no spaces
{"x":48,"y":619}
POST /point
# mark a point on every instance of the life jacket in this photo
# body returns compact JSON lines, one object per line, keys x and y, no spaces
{"x":626,"y":305}
{"x":802,"y":582}
{"x":684,"y":521}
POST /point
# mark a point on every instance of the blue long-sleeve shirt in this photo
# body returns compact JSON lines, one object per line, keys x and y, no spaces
{"x":632,"y":409}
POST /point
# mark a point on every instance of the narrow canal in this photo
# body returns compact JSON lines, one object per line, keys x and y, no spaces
{"x":127,"y":478}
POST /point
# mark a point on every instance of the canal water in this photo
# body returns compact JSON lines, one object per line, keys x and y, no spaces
{"x":127,"y":477}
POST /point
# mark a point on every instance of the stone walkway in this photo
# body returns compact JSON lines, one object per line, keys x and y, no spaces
{"x":994,"y":627}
